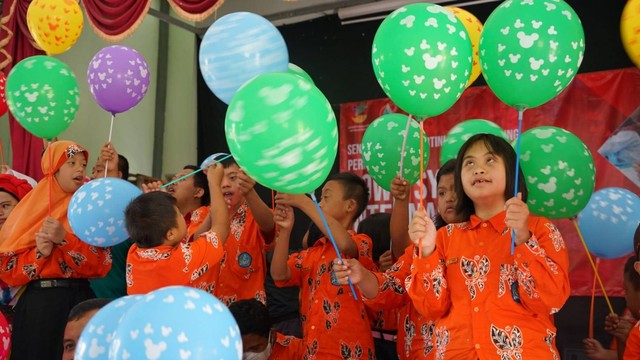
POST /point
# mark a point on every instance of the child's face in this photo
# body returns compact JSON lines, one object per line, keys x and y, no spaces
{"x":332,"y":200}
{"x":229,"y":186}
{"x":71,"y":174}
{"x":632,"y":296}
{"x":184,"y":190}
{"x":72,"y":333}
{"x":483,"y":174}
{"x":447,"y":199}
{"x":7,"y":203}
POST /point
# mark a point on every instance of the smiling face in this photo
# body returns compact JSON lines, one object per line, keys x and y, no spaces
{"x":71,"y":174}
{"x":7,"y":203}
{"x":483,"y":174}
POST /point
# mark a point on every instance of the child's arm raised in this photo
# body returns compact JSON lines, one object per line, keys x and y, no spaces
{"x":399,"y":217}
{"x":108,"y":153}
{"x":219,"y":213}
{"x":283,"y":216}
{"x":261,"y":212}
{"x":343,"y":239}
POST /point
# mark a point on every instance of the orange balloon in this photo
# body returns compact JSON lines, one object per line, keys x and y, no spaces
{"x":630,"y":30}
{"x":55,"y":24}
{"x":474,"y":28}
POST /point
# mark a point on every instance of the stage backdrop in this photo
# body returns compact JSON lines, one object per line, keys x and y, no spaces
{"x":592,"y":108}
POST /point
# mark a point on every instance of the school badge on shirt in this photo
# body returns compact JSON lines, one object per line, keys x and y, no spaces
{"x":244,"y":260}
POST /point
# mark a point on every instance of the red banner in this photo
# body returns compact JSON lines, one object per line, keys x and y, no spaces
{"x":592,"y":108}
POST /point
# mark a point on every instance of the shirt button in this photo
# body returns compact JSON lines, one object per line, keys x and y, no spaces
{"x":316,"y":301}
{"x":323,"y":256}
{"x":477,"y":346}
{"x":313,"y":327}
{"x":481,"y":243}
{"x":476,"y":309}
{"x":484,"y":224}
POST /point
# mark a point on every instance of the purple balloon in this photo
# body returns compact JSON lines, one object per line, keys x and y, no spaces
{"x":118,"y":78}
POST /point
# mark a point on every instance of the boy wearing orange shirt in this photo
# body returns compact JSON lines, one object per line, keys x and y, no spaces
{"x":335,"y":325}
{"x":159,"y":258}
{"x":243,"y":268}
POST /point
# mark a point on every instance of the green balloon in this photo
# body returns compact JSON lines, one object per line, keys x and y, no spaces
{"x":297,"y":70}
{"x":42,"y":94}
{"x":460,"y":133}
{"x":382,"y":145}
{"x":422,"y":58}
{"x":282,"y":132}
{"x":559,"y":171}
{"x":530,"y":50}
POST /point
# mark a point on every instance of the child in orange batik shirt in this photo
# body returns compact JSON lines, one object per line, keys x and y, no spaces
{"x":159,"y":258}
{"x":335,"y":325}
{"x":243,"y":268}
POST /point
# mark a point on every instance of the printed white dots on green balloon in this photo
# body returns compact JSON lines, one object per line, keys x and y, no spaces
{"x":559,"y":172}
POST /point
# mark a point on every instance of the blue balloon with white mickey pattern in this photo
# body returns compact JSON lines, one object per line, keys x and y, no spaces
{"x":96,"y":211}
{"x":609,"y":221}
{"x":238,"y":47}
{"x":96,"y":337}
{"x":177,"y":322}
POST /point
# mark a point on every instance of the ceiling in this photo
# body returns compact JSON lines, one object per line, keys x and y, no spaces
{"x":283,"y":12}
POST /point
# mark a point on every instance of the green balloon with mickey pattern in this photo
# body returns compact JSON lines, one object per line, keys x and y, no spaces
{"x":382,"y":146}
{"x":530,"y":50}
{"x":42,"y":94}
{"x":559,"y":172}
{"x":422,"y":58}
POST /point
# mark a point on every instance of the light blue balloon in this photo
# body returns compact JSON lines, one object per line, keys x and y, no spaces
{"x":96,"y":211}
{"x":609,"y":221}
{"x":211,"y":158}
{"x":238,"y":47}
{"x":177,"y":322}
{"x":95,"y":340}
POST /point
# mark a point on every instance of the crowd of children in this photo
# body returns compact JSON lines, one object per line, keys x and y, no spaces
{"x":451,"y":287}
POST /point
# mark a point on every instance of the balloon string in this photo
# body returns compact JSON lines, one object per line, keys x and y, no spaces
{"x":593,"y":265}
{"x":273,"y":200}
{"x":421,"y":181}
{"x":106,"y":163}
{"x":2,"y":153}
{"x":593,"y":297}
{"x":50,"y":180}
{"x":193,"y":172}
{"x":404,"y":145}
{"x":333,"y":242}
{"x":517,"y":173}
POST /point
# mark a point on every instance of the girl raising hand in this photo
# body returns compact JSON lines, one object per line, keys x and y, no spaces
{"x":487,"y":300}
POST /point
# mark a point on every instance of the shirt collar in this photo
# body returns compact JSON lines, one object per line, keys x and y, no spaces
{"x":497,"y":221}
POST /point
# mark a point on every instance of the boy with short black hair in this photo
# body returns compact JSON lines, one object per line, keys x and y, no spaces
{"x":335,"y":325}
{"x":79,"y":316}
{"x":243,"y":268}
{"x":159,"y":258}
{"x":259,"y":339}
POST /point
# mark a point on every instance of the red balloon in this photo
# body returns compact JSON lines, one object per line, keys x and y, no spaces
{"x":3,"y":97}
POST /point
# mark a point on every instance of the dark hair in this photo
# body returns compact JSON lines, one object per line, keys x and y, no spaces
{"x":448,"y":168}
{"x":200,"y":181}
{"x":84,"y":307}
{"x":228,"y":162}
{"x":123,"y":166}
{"x":501,"y":148}
{"x":252,"y":317}
{"x":377,"y":227}
{"x":149,"y":217}
{"x":631,"y":274}
{"x":354,"y":188}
